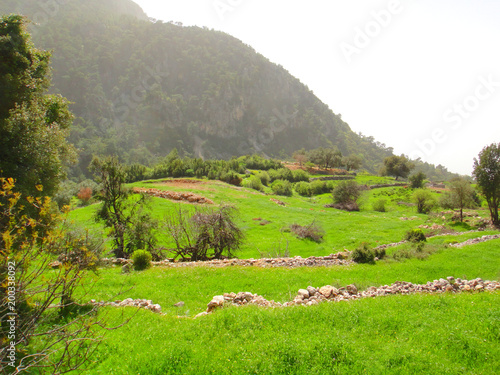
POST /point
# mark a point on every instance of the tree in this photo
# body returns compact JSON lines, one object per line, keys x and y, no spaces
{"x":207,"y":234}
{"x":33,"y":125}
{"x":346,"y":194}
{"x":119,"y":211}
{"x":352,"y":162}
{"x":417,"y":180}
{"x":424,"y":200}
{"x":300,"y":156}
{"x":487,"y":174}
{"x":42,"y":328}
{"x":397,"y":166}
{"x":461,"y":195}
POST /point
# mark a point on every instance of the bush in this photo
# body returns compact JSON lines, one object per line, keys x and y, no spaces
{"x":300,"y":175}
{"x":346,"y":192}
{"x":363,"y":254}
{"x":424,"y":200}
{"x":319,"y":187}
{"x":415,"y":235}
{"x":255,"y":183}
{"x":141,"y":259}
{"x":417,"y":180}
{"x":85,"y":195}
{"x":379,"y":205}
{"x":303,"y":188}
{"x":312,"y":232}
{"x":282,"y":187}
{"x":264,"y":177}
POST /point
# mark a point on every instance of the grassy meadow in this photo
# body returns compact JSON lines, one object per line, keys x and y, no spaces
{"x":428,"y":334}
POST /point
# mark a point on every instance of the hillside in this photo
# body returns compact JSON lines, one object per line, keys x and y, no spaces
{"x":141,"y":88}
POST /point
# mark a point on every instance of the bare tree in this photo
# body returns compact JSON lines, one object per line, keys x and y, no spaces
{"x":207,"y":234}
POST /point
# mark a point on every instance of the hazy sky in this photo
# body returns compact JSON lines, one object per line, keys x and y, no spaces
{"x":422,"y":76}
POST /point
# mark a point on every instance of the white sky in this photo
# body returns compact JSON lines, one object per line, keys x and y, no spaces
{"x":422,"y":71}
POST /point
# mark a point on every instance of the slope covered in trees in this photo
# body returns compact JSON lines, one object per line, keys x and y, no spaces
{"x":142,"y":87}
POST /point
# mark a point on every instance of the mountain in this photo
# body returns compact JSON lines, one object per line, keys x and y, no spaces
{"x":142,"y":87}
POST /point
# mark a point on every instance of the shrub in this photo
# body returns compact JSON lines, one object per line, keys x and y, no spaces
{"x":255,"y":183}
{"x":264,"y":177}
{"x":346,"y":192}
{"x":303,"y":188}
{"x":417,"y":180}
{"x":319,"y":187}
{"x":85,"y":195}
{"x":300,"y":175}
{"x":415,"y":235}
{"x":312,"y":231}
{"x":424,"y":200}
{"x":379,"y":205}
{"x":363,"y":254}
{"x":141,"y":259}
{"x":282,"y":187}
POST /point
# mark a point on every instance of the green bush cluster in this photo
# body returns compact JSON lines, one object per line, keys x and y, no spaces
{"x":282,"y":187}
{"x":363,"y":254}
{"x":142,"y":260}
{"x":379,"y":205}
{"x":415,"y":235}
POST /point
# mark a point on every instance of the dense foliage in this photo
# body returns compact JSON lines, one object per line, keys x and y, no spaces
{"x":33,"y":125}
{"x":487,"y":174}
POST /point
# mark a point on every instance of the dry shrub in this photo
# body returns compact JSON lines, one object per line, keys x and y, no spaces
{"x":312,"y":231}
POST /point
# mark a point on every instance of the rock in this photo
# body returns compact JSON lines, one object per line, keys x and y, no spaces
{"x":312,"y":290}
{"x":304,"y":293}
{"x":179,"y":304}
{"x":204,"y":313}
{"x":56,"y":265}
{"x":326,"y":291}
{"x":351,"y":289}
{"x":126,"y":268}
{"x":217,"y":301}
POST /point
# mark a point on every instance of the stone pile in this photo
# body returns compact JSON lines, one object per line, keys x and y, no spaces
{"x":174,"y":195}
{"x":339,"y":259}
{"x":474,"y":241}
{"x":129,"y":302}
{"x":313,"y":296}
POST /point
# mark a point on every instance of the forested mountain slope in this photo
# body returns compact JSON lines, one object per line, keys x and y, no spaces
{"x":142,"y":87}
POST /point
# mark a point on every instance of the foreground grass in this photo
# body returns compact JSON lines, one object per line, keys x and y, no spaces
{"x":448,"y":334}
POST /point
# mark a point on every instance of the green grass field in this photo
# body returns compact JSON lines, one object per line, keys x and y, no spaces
{"x":428,"y":334}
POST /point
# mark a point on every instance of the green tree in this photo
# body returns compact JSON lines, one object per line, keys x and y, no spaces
{"x":346,"y":195}
{"x":424,"y":200}
{"x":33,"y":125}
{"x":487,"y":174}
{"x":397,"y":166}
{"x":460,"y":196}
{"x":417,"y":180}
{"x":352,"y":162}
{"x":119,"y":211}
